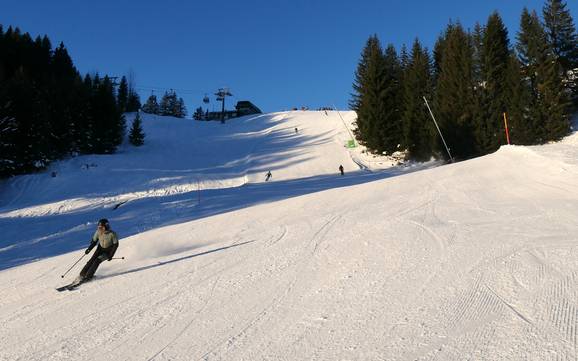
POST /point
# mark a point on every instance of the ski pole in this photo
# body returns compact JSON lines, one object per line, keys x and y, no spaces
{"x":117,"y":258}
{"x":73,"y":266}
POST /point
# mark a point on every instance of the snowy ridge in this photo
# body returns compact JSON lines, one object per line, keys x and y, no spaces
{"x":474,"y":260}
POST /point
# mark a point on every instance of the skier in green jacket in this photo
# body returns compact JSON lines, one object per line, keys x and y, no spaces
{"x":107,"y":242}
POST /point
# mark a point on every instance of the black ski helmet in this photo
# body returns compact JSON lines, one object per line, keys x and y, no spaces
{"x":104,"y":222}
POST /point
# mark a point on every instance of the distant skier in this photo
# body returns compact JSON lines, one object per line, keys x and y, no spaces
{"x":341,"y":169}
{"x":268,"y":176}
{"x":296,"y":131}
{"x":107,"y":241}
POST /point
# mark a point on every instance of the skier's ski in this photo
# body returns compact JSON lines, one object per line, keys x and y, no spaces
{"x":60,"y":289}
{"x":71,"y":286}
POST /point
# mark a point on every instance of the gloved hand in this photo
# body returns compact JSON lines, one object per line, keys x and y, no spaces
{"x":92,"y":244}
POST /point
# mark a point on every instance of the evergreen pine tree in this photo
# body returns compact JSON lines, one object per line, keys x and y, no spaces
{"x":494,"y":58}
{"x":117,"y":122}
{"x":437,"y":55}
{"x":481,"y":96}
{"x":86,"y":126}
{"x":169,"y":104}
{"x":199,"y":114}
{"x":122,"y":96}
{"x":61,"y":97}
{"x":390,"y":128}
{"x":530,"y":50}
{"x":518,"y":104}
{"x":477,"y":39}
{"x":563,"y":41}
{"x":368,"y":86}
{"x":98,"y":117}
{"x":79,"y":106}
{"x":417,"y":125}
{"x":548,"y":103}
{"x":41,"y":58}
{"x":164,"y":106}
{"x":360,"y":76}
{"x":133,"y":102}
{"x":553,"y":102}
{"x":404,"y":60}
{"x":454,"y":98}
{"x":62,"y":66}
{"x":109,"y":121}
{"x":181,"y":109}
{"x":404,"y":57}
{"x":136,"y":136}
{"x":151,"y":106}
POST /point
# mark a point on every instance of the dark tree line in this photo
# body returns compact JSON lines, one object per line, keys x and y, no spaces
{"x":169,"y":105}
{"x":471,"y":79}
{"x":48,"y":110}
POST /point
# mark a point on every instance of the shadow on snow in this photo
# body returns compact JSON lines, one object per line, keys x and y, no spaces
{"x":159,"y":264}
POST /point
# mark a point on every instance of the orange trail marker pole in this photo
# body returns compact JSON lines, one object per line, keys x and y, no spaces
{"x":507,"y":132}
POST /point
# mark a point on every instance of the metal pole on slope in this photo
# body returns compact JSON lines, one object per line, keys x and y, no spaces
{"x":438,"y":128}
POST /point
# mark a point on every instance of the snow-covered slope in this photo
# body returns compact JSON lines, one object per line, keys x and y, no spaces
{"x":475,"y":260}
{"x":167,"y":180}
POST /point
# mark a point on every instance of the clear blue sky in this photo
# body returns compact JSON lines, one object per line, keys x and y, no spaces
{"x":277,"y":54}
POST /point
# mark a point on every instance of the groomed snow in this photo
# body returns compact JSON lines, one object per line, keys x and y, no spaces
{"x":475,"y":260}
